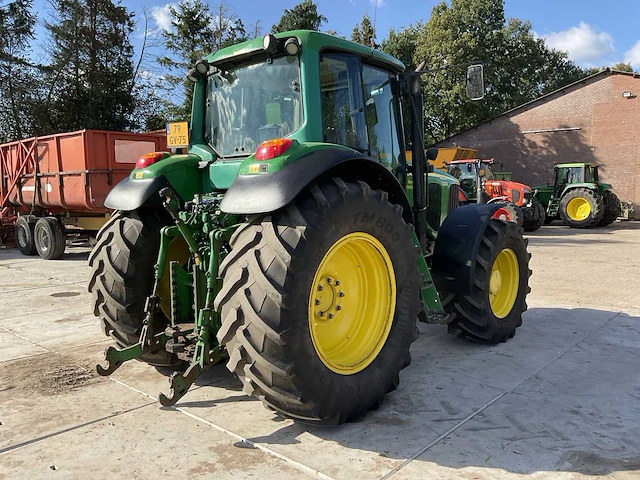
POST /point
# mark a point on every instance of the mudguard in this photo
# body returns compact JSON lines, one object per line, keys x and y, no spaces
{"x":253,"y":194}
{"x":130,"y":194}
{"x":457,"y":247}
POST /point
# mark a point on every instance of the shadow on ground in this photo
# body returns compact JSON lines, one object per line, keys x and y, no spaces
{"x":562,"y":396}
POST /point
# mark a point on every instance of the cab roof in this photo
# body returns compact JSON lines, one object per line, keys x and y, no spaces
{"x":309,"y":39}
{"x":577,"y":164}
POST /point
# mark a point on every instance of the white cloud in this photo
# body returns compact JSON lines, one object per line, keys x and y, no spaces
{"x":584,"y":45}
{"x":632,"y":55}
{"x":162,"y":17}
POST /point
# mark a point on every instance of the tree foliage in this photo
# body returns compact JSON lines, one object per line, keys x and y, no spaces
{"x":364,"y":33}
{"x":195,"y":33}
{"x":518,"y":65}
{"x":303,"y":16}
{"x":18,"y":77}
{"x":401,"y":44}
{"x":90,"y":79}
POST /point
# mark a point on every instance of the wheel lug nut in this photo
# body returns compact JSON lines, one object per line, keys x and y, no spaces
{"x":341,"y":294}
{"x":319,"y":288}
{"x":317,"y":302}
{"x":328,"y":279}
{"x":338,"y":307}
{"x":337,"y":283}
{"x":321,"y":314}
{"x":330,"y":315}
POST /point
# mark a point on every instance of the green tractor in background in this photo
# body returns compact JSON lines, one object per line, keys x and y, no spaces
{"x":287,"y":241}
{"x":578,"y":197}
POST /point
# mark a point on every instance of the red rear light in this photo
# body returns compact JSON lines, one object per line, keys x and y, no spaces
{"x":149,"y":159}
{"x":272,"y":148}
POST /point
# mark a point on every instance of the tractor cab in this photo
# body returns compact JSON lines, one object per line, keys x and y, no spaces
{"x":574,"y":173}
{"x":468,"y":172}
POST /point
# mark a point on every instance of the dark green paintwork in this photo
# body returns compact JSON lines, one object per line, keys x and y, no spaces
{"x":548,"y":194}
{"x":180,"y":170}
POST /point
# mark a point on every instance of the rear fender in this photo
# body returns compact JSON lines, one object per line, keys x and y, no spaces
{"x":457,"y":245}
{"x":180,"y":172}
{"x":265,"y":193}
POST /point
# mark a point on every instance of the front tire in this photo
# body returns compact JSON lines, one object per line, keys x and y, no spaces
{"x":581,"y":208}
{"x":492,"y":312}
{"x":307,"y":366}
{"x":538,"y":218}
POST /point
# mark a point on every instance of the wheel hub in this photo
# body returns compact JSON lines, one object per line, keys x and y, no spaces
{"x":578,"y":209}
{"x":352,"y":303}
{"x":504,"y":281}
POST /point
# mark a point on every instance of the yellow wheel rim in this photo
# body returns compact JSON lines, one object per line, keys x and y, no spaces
{"x":352,"y":303}
{"x":503,"y":283}
{"x":578,"y":209}
{"x":178,"y":252}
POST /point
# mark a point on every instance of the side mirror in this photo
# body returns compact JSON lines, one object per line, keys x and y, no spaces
{"x":432,"y":153}
{"x":475,"y":82}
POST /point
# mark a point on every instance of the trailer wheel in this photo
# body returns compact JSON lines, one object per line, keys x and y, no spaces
{"x":49,"y":238}
{"x":493,"y":310}
{"x":25,"y":226}
{"x":319,"y":303}
{"x":122,"y":264}
{"x":538,"y":217}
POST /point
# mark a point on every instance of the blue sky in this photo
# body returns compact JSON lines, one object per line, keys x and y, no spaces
{"x":594,"y":32}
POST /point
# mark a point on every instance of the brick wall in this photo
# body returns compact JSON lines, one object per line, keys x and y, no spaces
{"x":608,"y":133}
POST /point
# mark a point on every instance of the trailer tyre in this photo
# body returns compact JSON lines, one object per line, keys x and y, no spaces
{"x":492,"y":312}
{"x":319,"y":303}
{"x":25,"y":226}
{"x":49,"y":238}
{"x":122,"y":265}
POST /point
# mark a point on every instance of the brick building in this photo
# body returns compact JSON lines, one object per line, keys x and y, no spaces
{"x":594,"y":120}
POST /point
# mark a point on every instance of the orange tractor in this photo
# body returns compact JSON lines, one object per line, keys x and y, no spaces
{"x":478,"y":185}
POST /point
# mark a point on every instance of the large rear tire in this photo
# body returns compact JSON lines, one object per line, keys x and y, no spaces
{"x":581,"y":208}
{"x":493,"y":310}
{"x":319,"y":303}
{"x":612,"y":208}
{"x":122,"y":275}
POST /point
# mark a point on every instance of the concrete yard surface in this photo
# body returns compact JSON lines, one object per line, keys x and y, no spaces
{"x":559,"y":400}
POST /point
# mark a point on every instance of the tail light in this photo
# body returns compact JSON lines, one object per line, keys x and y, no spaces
{"x":149,"y":159}
{"x":272,"y":148}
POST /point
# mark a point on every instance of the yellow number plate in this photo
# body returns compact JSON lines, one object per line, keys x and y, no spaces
{"x":178,"y":135}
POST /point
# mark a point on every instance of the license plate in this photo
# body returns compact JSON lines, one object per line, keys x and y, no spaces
{"x":178,"y":135}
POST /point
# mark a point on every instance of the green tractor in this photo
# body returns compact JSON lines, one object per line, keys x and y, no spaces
{"x":285,"y":242}
{"x":578,"y":198}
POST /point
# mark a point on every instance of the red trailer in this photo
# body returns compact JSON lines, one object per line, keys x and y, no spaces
{"x":53,"y":185}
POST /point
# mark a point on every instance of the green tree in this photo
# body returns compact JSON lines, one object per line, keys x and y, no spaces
{"x":18,"y":77}
{"x":518,"y":66}
{"x":402,"y":44}
{"x":191,"y":37}
{"x":195,"y":32}
{"x":623,"y":67}
{"x":303,"y":16}
{"x":364,"y":33}
{"x":90,"y":80}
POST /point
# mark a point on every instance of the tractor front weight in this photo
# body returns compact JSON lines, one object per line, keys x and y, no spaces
{"x":191,"y":333}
